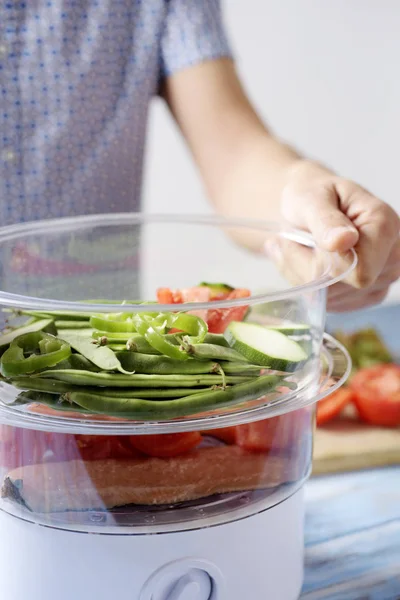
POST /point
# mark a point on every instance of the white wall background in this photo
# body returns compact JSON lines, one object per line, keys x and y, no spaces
{"x":325,"y":75}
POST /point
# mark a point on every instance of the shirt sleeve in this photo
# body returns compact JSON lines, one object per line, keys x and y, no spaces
{"x":193,"y":32}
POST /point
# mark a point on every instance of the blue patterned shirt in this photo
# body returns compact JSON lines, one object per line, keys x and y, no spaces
{"x":76,"y":81}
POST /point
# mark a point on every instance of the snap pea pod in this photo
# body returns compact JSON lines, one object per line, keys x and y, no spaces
{"x":78,"y":377}
{"x":136,"y":408}
{"x":101,"y":356}
{"x":212,"y":352}
{"x":53,"y":386}
{"x":217,"y":339}
{"x":38,"y":325}
{"x":162,"y":365}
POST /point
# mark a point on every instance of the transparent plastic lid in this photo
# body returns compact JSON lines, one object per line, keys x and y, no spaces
{"x":109,"y":287}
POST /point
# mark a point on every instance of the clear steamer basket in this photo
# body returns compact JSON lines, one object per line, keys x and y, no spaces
{"x":87,"y":455}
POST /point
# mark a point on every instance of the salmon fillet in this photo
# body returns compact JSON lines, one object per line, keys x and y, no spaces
{"x":84,"y":485}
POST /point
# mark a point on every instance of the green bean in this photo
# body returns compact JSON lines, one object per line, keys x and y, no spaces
{"x":60,"y":314}
{"x":53,"y":386}
{"x":233,"y":368}
{"x":51,"y":400}
{"x":77,"y":361}
{"x":101,"y":356}
{"x":69,"y":324}
{"x":213,"y":352}
{"x":117,"y":347}
{"x":137,"y":408}
{"x":163,"y":365}
{"x":116,"y":337}
{"x":137,"y":343}
{"x":51,"y":328}
{"x":78,"y":377}
{"x":34,"y":384}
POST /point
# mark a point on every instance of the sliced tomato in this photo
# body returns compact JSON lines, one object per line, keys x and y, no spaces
{"x":41,"y":409}
{"x":281,"y":433}
{"x":101,"y":447}
{"x":166,"y":445}
{"x":225,"y":434}
{"x":377,"y":394}
{"x":193,"y":294}
{"x":259,"y":436}
{"x":331,"y":406}
{"x":218,"y":319}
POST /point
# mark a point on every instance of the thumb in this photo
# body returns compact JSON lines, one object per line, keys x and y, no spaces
{"x":317,"y":211}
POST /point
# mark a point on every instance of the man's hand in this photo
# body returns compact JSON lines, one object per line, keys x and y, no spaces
{"x":341,"y":215}
{"x":249,"y":173}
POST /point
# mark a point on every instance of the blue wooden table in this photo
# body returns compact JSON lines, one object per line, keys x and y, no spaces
{"x":353,"y":536}
{"x":353,"y":520}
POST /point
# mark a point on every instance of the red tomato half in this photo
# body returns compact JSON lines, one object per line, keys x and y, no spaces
{"x":101,"y":447}
{"x":331,"y":406}
{"x":166,"y":445}
{"x":377,"y":395}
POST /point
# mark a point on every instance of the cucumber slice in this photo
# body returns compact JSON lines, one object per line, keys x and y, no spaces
{"x":265,"y":347}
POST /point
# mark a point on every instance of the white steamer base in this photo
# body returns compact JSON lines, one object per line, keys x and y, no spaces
{"x":255,"y":558}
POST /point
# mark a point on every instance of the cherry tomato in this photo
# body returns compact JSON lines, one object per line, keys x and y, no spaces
{"x":377,"y":394}
{"x":331,"y":406}
{"x":166,"y":444}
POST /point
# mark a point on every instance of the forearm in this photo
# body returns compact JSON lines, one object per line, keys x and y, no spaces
{"x":243,"y":166}
{"x":255,"y":175}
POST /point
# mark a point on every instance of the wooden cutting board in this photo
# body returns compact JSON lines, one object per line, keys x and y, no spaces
{"x":347,"y":445}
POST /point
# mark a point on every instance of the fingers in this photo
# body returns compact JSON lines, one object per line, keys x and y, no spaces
{"x":389,"y":274}
{"x":318,"y":211}
{"x":356,"y":299}
{"x":297,"y":263}
{"x":378,"y":227}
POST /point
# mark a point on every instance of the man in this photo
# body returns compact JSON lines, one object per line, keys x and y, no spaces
{"x":77,"y":80}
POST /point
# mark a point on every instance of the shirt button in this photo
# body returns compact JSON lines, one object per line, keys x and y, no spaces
{"x":8,"y":155}
{"x":3,"y":50}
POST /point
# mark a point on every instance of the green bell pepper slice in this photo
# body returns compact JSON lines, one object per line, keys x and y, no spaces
{"x":153,"y":332}
{"x":33,"y":352}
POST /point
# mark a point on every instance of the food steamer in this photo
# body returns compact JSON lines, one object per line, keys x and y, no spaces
{"x":220,"y":521}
